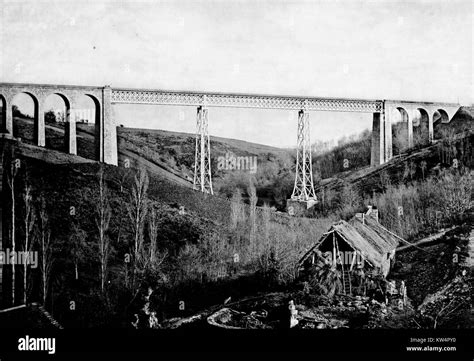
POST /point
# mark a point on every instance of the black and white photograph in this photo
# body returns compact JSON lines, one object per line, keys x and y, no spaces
{"x":236,"y":176}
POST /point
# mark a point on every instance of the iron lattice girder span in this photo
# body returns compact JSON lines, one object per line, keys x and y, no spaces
{"x":131,"y":96}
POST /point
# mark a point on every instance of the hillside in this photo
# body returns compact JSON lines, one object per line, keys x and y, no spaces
{"x":189,"y":236}
{"x":173,"y":153}
{"x":407,"y":167}
{"x":176,"y":151}
{"x":211,"y":247}
{"x":452,"y":140}
{"x":462,"y":122}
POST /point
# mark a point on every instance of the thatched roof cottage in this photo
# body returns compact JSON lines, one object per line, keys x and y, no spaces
{"x":362,"y":242}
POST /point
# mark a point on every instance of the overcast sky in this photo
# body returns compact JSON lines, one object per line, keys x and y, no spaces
{"x":413,"y":50}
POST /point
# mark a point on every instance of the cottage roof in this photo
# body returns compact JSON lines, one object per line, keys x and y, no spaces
{"x":365,"y":235}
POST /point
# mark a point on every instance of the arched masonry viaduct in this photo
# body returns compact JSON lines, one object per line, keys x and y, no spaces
{"x":406,"y":112}
{"x":385,"y":112}
{"x":105,"y":129}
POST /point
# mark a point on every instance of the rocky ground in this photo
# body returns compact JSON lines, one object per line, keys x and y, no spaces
{"x":313,"y":312}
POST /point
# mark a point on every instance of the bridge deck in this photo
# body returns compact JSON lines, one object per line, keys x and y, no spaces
{"x":210,"y":99}
{"x":163,"y":97}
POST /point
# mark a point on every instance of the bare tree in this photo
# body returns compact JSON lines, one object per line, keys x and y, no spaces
{"x":29,"y":222}
{"x":447,"y":145}
{"x":14,"y":166}
{"x":236,"y":208}
{"x":78,"y":245}
{"x":44,"y":240}
{"x":409,"y":171}
{"x":102,"y":221}
{"x":137,"y":211}
{"x":423,"y":166}
{"x":265,"y":247}
{"x":152,"y":233}
{"x":252,"y":192}
{"x":350,"y":196}
{"x":385,"y":180}
{"x":156,"y":258}
{"x":400,"y":137}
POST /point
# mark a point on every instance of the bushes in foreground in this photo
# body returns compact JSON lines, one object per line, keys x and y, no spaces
{"x":426,"y":206}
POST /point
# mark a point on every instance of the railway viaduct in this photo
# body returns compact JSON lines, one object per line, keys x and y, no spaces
{"x":385,"y":112}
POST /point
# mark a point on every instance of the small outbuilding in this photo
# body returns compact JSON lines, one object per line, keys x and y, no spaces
{"x":360,"y":243}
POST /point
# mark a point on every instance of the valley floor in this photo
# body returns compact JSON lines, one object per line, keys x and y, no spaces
{"x":439,"y":276}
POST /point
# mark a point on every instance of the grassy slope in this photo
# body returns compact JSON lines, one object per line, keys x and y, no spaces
{"x":176,"y":151}
{"x":166,"y":183}
{"x":66,"y":179}
{"x":171,"y":156}
{"x":172,"y":152}
{"x":370,"y":179}
{"x":216,"y":209}
{"x":180,"y":137}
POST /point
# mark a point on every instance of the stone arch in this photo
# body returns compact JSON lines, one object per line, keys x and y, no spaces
{"x":404,"y":117}
{"x":440,"y":115}
{"x":421,"y":132}
{"x":38,"y":130}
{"x":98,"y":129}
{"x":402,"y":131}
{"x":441,"y":129}
{"x":66,"y":100}
{"x":56,"y":124}
{"x":84,"y":114}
